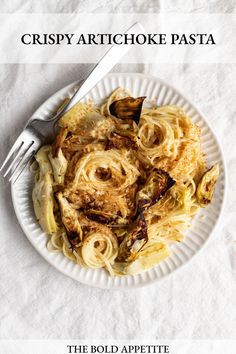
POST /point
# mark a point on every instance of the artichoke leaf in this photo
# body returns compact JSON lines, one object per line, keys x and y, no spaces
{"x":127,"y":108}
{"x":155,"y":187}
{"x":42,"y":194}
{"x":59,"y":166}
{"x":59,"y":140}
{"x":42,"y":158}
{"x":206,"y":186}
{"x":152,"y":254}
{"x":148,"y":258}
{"x":134,"y":241}
{"x":43,"y":204}
{"x":70,"y":220}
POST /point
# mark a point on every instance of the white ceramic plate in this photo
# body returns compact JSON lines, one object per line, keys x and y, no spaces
{"x":203,"y":224}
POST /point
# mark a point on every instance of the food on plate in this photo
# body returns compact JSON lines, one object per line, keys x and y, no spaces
{"x":121,"y":182}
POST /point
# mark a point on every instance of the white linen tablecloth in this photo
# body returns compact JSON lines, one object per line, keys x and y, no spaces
{"x":198,"y":301}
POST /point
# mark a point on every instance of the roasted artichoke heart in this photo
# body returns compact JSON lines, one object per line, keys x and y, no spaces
{"x":70,"y":220}
{"x":134,"y":241}
{"x":43,"y":192}
{"x":155,"y":187}
{"x":206,"y":186}
{"x":127,"y":108}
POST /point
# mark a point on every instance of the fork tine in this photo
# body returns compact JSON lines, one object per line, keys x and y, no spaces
{"x":11,"y":152}
{"x":21,"y":161}
{"x":27,"y":162}
{"x":14,"y":160}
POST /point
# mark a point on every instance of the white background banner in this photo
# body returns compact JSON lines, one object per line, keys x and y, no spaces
{"x":117,"y":347}
{"x":185,"y":37}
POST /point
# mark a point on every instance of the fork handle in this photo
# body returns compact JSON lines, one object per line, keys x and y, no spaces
{"x":110,"y":58}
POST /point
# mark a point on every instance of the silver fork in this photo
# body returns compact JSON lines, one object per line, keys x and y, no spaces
{"x":38,"y":131}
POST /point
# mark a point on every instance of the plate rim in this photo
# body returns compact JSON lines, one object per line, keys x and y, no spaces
{"x":156,"y":280}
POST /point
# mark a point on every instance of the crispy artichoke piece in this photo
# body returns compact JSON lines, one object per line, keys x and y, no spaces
{"x":127,"y":108}
{"x":43,"y":192}
{"x":43,"y":204}
{"x":60,"y":138}
{"x":59,"y":166}
{"x":206,"y":186}
{"x":70,"y":220}
{"x":134,"y":241}
{"x":150,"y":255}
{"x":155,"y":187}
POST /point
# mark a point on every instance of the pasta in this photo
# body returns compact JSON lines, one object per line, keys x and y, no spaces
{"x":121,"y":183}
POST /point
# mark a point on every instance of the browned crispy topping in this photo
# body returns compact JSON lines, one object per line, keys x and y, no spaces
{"x":117,"y":141}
